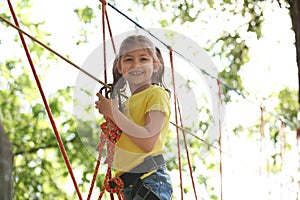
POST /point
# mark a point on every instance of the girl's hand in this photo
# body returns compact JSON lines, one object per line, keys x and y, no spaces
{"x":106,"y":106}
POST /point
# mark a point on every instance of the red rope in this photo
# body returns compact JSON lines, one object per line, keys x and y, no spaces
{"x":60,"y":143}
{"x":100,"y":149}
{"x":110,"y":135}
{"x":104,"y":126}
{"x":176,"y":119}
{"x":110,"y":32}
{"x":105,"y":61}
{"x":106,"y":186}
{"x":101,"y":145}
{"x":187,"y":152}
{"x":104,"y":39}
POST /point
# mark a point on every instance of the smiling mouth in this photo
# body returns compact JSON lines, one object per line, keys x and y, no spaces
{"x":136,"y":73}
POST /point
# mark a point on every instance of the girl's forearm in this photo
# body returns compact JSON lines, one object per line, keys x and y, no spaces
{"x":141,"y":135}
{"x":128,"y":126}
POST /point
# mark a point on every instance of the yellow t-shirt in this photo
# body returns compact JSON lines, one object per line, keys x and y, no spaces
{"x":128,"y":154}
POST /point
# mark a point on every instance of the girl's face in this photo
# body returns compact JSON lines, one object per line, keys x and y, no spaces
{"x":137,"y":67}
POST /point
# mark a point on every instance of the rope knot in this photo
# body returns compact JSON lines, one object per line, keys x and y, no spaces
{"x":104,"y":2}
{"x":114,"y":185}
{"x":111,"y":131}
{"x":170,"y":48}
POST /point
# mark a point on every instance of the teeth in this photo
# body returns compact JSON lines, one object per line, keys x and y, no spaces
{"x":135,"y":73}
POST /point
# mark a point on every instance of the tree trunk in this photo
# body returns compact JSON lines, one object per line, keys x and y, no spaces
{"x":295,"y":16}
{"x":6,"y":166}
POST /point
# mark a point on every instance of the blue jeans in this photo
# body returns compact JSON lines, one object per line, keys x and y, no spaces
{"x":159,"y":182}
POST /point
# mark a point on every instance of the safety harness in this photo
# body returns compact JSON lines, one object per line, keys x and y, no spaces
{"x":133,"y":177}
{"x":110,"y":135}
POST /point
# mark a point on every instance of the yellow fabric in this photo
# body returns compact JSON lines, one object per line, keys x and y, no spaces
{"x":148,"y":174}
{"x":127,"y":153}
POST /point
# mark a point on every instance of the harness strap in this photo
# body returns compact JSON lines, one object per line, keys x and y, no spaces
{"x":150,"y":163}
{"x":143,"y":191}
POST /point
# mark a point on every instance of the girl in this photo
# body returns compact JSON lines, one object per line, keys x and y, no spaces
{"x":144,"y":120}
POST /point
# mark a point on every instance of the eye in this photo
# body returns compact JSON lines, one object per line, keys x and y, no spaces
{"x":144,"y":59}
{"x":127,"y":60}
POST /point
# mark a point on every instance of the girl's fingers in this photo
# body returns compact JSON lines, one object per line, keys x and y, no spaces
{"x":100,"y":95}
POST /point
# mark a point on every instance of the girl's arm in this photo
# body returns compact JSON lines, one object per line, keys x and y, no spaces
{"x":144,"y":137}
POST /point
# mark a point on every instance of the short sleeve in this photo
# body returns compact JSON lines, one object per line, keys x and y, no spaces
{"x":158,"y":99}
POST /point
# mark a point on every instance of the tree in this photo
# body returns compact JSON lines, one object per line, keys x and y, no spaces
{"x":232,"y":49}
{"x":6,"y":167}
{"x":39,"y":169}
{"x":294,"y":7}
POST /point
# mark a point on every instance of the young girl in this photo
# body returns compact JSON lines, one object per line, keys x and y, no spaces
{"x":144,"y":120}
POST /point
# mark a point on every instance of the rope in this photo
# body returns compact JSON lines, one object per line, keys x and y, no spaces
{"x":176,"y":119}
{"x":108,"y":175}
{"x":102,"y":137}
{"x":110,"y":135}
{"x":187,"y":153}
{"x":54,"y":52}
{"x":178,"y":110}
{"x":100,"y":149}
{"x":110,"y":32}
{"x":225,"y":85}
{"x":57,"y":135}
{"x":104,"y":39}
{"x":286,"y":121}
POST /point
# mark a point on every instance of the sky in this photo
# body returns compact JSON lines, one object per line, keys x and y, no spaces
{"x":271,"y":68}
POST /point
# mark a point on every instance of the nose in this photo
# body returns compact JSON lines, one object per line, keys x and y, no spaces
{"x":136,"y":64}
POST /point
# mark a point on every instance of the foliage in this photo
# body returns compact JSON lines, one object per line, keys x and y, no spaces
{"x":232,"y":46}
{"x":287,"y":107}
{"x":40,"y":172}
{"x":39,"y":168}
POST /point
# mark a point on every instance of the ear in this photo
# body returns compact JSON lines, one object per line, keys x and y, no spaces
{"x":119,"y":69}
